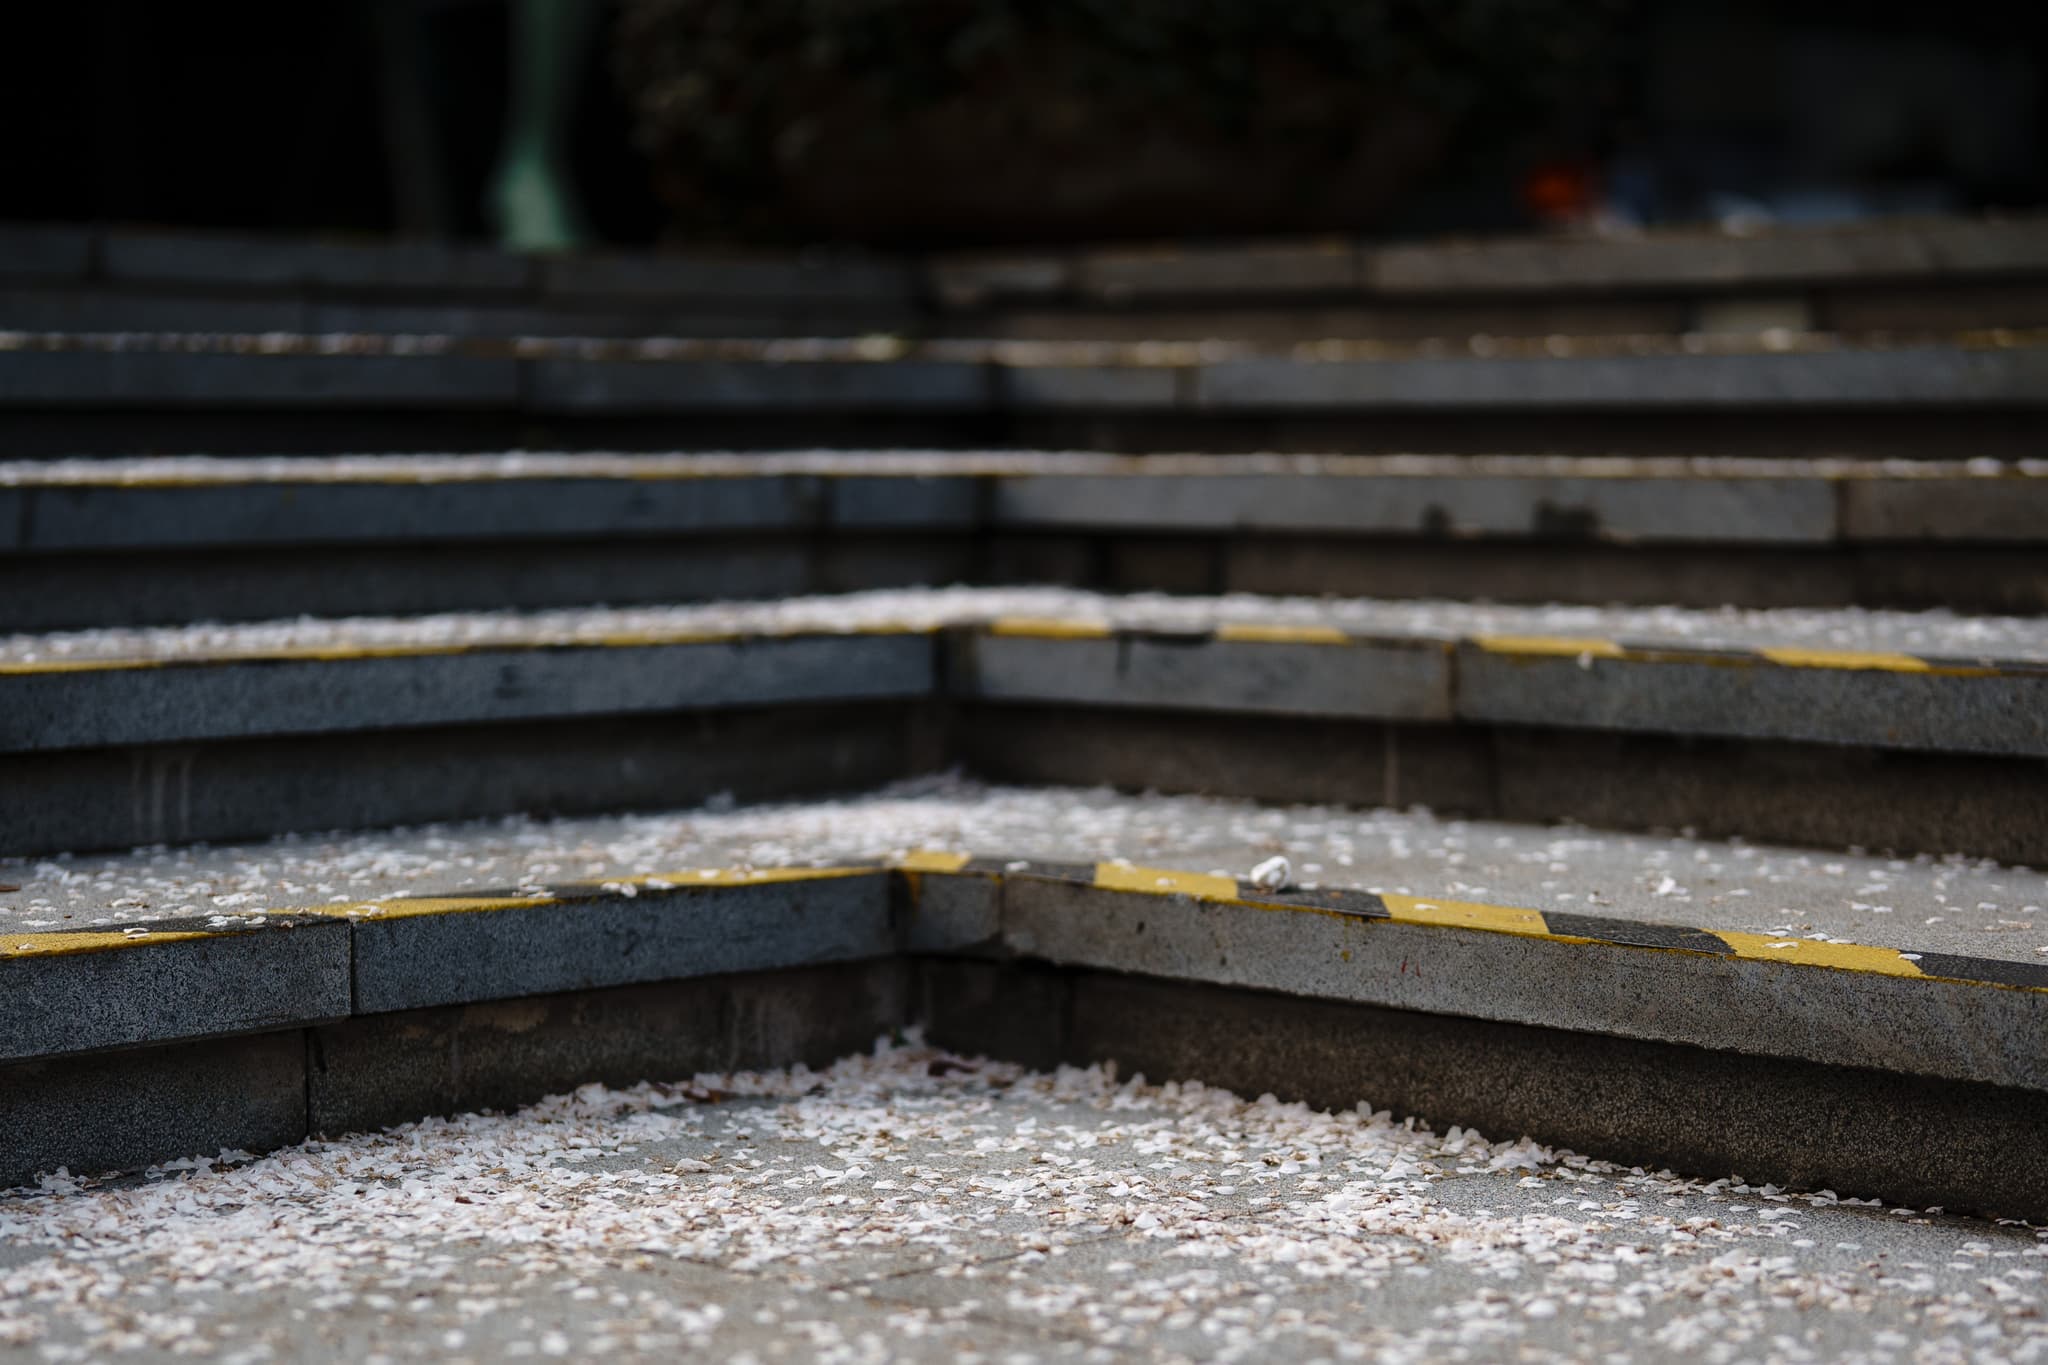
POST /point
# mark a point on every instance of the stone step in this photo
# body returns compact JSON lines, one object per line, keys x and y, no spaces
{"x":155,"y":541}
{"x":80,"y":279}
{"x":1907,"y":275}
{"x":99,"y":393}
{"x":1940,"y":724}
{"x":1927,"y":972}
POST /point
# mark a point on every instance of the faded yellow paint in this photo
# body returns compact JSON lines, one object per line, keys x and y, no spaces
{"x":1282,"y":635}
{"x":1553,"y":646}
{"x":1790,"y":657}
{"x":932,"y":860}
{"x":1848,"y":957}
{"x":1159,"y":881}
{"x":408,"y":907}
{"x":1048,"y":628}
{"x":1493,"y":919}
{"x":75,"y":666}
{"x":68,"y":941}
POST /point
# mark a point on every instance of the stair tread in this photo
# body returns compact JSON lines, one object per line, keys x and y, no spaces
{"x":1968,"y":907}
{"x":1935,"y":973}
{"x":201,"y":502}
{"x":1844,"y":632}
{"x":1996,"y":368}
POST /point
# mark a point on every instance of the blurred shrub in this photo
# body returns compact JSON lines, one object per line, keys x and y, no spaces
{"x":1014,"y":120}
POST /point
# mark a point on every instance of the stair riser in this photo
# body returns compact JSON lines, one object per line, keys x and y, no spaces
{"x":247,"y":789}
{"x":1862,"y":1132}
{"x":1816,"y":795}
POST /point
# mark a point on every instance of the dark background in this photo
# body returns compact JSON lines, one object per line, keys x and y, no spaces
{"x":270,"y":116}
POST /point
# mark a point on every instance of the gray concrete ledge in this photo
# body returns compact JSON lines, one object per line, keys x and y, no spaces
{"x":369,"y":690}
{"x":123,"y":1110}
{"x":1898,"y":702}
{"x":1671,"y":260}
{"x":62,"y":506}
{"x":1957,"y":1015}
{"x":61,"y":801}
{"x":171,"y":371}
{"x":1862,"y":1132}
{"x":1437,"y":668}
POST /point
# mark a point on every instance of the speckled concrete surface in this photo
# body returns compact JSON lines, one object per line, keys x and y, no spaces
{"x":519,"y":465}
{"x":1932,"y":632}
{"x":915,"y":1205}
{"x":1938,"y":905}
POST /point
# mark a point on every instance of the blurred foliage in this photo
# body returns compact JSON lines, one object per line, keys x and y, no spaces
{"x":732,"y":97}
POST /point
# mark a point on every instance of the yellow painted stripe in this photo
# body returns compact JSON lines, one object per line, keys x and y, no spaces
{"x":1550,"y":645}
{"x":1048,"y":628}
{"x":1159,"y":881}
{"x":1844,"y":658}
{"x":1282,"y":635}
{"x":408,"y":907}
{"x":74,"y":666}
{"x":1493,"y":919}
{"x":1852,"y":957}
{"x":63,"y":941}
{"x":933,"y":860}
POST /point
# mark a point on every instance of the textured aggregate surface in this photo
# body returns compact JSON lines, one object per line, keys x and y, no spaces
{"x":1949,"y":905}
{"x":914,"y":1205}
{"x":513,"y":465}
{"x":1937,"y":633}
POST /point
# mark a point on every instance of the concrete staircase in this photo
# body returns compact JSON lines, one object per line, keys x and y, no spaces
{"x":1592,"y":668}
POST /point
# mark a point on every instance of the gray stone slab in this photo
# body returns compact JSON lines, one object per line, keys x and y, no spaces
{"x":1901,"y":377}
{"x":452,"y":956}
{"x":952,"y":503}
{"x":205,"y":514}
{"x":121,"y":1110}
{"x":1266,"y":268}
{"x":1924,"y":1141}
{"x":785,"y":279}
{"x":952,"y":914}
{"x":283,"y":261}
{"x":281,"y":975}
{"x":29,"y":252}
{"x":165,"y":586}
{"x":173,"y":379}
{"x":1396,"y":680}
{"x":1843,"y":1018}
{"x":67,"y":801}
{"x":1087,"y":386}
{"x":559,"y":384}
{"x":94,"y":309}
{"x":2011,"y":509}
{"x":298,"y":696}
{"x":1709,"y":259}
{"x":381,"y":1069}
{"x":2003,"y":713}
{"x":1713,"y":510}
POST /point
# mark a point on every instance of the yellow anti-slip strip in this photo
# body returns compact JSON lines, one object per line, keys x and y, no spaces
{"x":408,"y":907}
{"x":1501,"y":919}
{"x":1785,"y":656}
{"x":65,"y":942}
